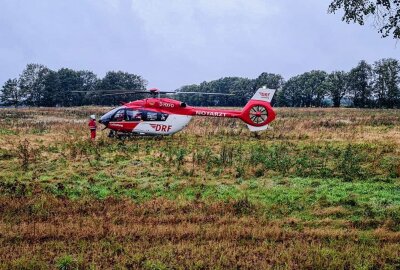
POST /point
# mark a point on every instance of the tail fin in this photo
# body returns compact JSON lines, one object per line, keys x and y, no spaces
{"x":264,"y":94}
{"x":258,"y":113}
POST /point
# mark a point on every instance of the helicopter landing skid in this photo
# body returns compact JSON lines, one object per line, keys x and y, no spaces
{"x":127,"y":135}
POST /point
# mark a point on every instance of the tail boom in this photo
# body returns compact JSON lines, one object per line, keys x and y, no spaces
{"x":257,"y":113}
{"x":198,"y":111}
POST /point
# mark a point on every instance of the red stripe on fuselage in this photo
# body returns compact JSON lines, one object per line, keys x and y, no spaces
{"x":124,"y":126}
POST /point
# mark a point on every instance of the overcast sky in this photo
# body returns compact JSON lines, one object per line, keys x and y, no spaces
{"x":176,"y":42}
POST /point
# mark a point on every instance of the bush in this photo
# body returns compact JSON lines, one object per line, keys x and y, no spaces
{"x":26,"y":154}
{"x":349,"y":165}
{"x":66,"y":262}
{"x":243,"y":206}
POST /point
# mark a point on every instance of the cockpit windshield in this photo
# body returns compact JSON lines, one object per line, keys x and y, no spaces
{"x":107,"y":117}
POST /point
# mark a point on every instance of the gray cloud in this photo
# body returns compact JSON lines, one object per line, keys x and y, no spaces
{"x":176,"y":42}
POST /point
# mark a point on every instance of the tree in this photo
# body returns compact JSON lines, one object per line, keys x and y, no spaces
{"x":242,"y":88}
{"x":58,"y":88}
{"x":224,"y":85}
{"x":386,"y":14}
{"x":68,"y":82}
{"x":51,"y":90}
{"x":270,"y":80}
{"x":305,"y":90}
{"x":120,"y":80}
{"x":292,"y":93}
{"x":314,"y":90}
{"x":192,"y":99}
{"x":32,"y":82}
{"x":88,"y":82}
{"x":360,"y":84}
{"x":12,"y":94}
{"x":336,"y":86}
{"x":387,"y":82}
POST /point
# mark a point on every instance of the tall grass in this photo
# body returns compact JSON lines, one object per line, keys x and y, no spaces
{"x":319,"y":191}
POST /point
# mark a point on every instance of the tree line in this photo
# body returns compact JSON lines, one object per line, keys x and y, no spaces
{"x":366,"y":85}
{"x":40,"y":86}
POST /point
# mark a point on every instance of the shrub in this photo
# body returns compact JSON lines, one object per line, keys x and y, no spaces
{"x":349,"y":166}
{"x":243,"y":206}
{"x":27,"y":154}
{"x":65,"y":262}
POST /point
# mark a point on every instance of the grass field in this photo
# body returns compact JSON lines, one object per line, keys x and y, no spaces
{"x":319,"y":191}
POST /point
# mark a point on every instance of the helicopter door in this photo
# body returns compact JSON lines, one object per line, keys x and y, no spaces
{"x":133,"y":115}
{"x":125,"y":120}
{"x":132,"y":119}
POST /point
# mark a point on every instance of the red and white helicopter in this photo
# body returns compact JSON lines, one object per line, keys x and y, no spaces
{"x":164,"y":116}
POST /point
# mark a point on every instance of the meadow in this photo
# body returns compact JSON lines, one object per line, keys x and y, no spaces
{"x":320,"y":190}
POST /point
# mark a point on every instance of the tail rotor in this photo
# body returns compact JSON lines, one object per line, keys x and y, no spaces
{"x":258,"y":113}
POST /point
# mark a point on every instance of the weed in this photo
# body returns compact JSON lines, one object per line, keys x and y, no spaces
{"x":349,"y":167}
{"x":243,"y":206}
{"x":180,"y":156}
{"x":154,"y":265}
{"x":65,"y":262}
{"x":26,"y":153}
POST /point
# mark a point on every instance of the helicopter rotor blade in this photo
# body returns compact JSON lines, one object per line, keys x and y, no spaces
{"x":124,"y":90}
{"x":124,"y":93}
{"x":110,"y":92}
{"x":205,"y":93}
{"x":113,"y":91}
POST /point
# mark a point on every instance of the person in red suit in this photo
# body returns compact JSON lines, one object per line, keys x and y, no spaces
{"x":92,"y":126}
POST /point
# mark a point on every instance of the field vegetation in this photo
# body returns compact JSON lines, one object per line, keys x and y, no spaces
{"x":319,"y":191}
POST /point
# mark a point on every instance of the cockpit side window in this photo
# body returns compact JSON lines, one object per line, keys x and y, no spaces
{"x":133,"y":115}
{"x":154,"y":116}
{"x":118,"y":116}
{"x":162,"y":116}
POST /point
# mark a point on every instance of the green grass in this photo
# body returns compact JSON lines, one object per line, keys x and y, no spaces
{"x":341,"y":179}
{"x":277,"y":194}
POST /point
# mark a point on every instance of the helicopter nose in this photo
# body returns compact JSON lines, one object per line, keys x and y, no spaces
{"x":104,"y":120}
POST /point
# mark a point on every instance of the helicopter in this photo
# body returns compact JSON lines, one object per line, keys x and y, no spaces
{"x":157,"y":116}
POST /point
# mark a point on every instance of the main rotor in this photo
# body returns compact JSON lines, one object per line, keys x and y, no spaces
{"x":154,"y":92}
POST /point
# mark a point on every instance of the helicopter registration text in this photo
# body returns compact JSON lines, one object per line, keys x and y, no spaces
{"x":168,"y":105}
{"x":217,"y":114}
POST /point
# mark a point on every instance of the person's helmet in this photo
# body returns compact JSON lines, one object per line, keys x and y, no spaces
{"x":93,"y":116}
